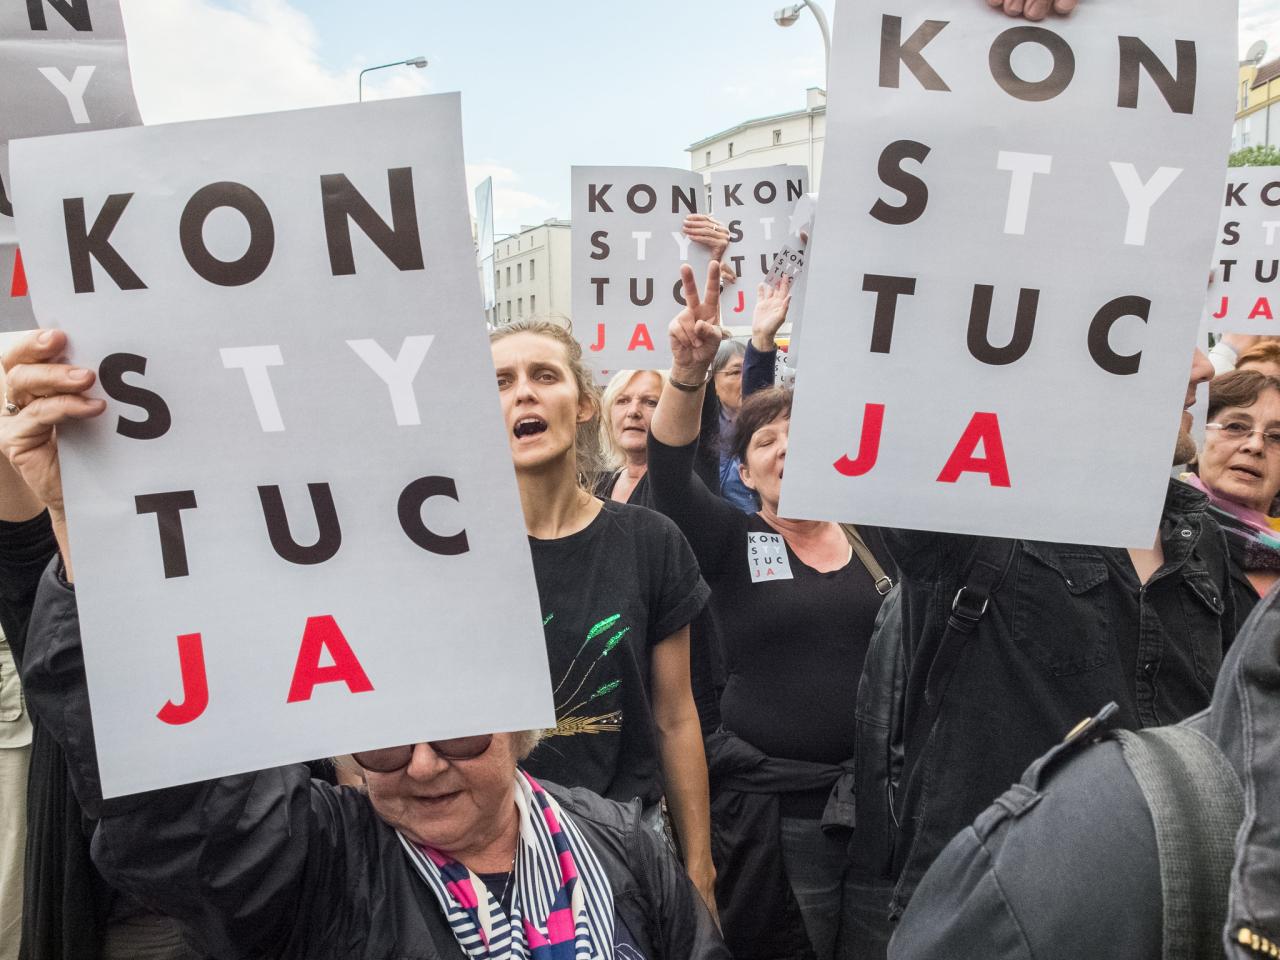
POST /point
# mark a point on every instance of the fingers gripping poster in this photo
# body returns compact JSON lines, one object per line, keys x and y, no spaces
{"x":757,"y":207}
{"x":1009,"y":265}
{"x":65,"y":67}
{"x":1244,"y":295}
{"x":629,"y":242}
{"x":295,"y":530}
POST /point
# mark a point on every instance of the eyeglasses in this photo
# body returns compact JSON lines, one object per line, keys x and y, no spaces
{"x":1238,"y":432}
{"x":391,"y":759}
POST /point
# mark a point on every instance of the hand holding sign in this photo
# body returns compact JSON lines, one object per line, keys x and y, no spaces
{"x":696,"y":332}
{"x":1034,"y":9}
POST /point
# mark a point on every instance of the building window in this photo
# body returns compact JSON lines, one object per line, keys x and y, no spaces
{"x":508,"y":276}
{"x":519,"y":273}
{"x":508,"y":311}
{"x":531,"y":273}
{"x":1244,"y":95}
{"x":730,"y":149}
{"x":497,"y":279}
{"x":520,"y":307}
{"x":708,"y":158}
{"x":777,"y":138}
{"x":533,"y":310}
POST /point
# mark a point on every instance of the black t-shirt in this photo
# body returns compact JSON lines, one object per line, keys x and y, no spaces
{"x":610,"y":593}
{"x":794,"y":638}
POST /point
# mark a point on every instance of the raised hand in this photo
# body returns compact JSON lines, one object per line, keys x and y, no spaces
{"x":772,"y":304}
{"x":1034,"y":9}
{"x":40,"y":394}
{"x":696,"y":332}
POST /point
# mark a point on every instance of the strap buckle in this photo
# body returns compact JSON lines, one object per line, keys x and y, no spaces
{"x":884,"y":585}
{"x":968,"y":613}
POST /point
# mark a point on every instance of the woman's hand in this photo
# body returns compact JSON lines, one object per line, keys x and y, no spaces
{"x":45,"y":393}
{"x":770,"y":314}
{"x":1034,"y":9}
{"x":696,"y":332}
{"x":707,"y":231}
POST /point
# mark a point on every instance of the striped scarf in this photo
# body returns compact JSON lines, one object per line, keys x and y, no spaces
{"x":562,"y":905}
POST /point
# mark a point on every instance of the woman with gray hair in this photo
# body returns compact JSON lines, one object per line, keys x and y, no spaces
{"x":450,"y":848}
{"x":726,"y":378}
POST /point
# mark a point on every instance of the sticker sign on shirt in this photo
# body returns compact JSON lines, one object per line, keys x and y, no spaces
{"x":64,"y":67}
{"x":1244,"y":296}
{"x":767,"y":557}
{"x":994,"y":298}
{"x":627,"y":248}
{"x":296,"y":531}
{"x":756,"y":206}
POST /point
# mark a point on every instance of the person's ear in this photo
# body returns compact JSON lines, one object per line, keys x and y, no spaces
{"x":587,"y":407}
{"x":744,"y":474}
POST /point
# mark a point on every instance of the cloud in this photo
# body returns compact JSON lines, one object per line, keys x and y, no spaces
{"x":1260,"y":20}
{"x":511,"y":205}
{"x":192,"y":59}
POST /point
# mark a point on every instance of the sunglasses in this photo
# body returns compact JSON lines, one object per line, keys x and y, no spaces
{"x":391,"y":759}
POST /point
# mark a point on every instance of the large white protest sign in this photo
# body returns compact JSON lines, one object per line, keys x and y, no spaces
{"x":1244,"y":296}
{"x":628,"y":246}
{"x":756,"y":205}
{"x":296,"y":530}
{"x":64,"y":67}
{"x":1008,"y":266}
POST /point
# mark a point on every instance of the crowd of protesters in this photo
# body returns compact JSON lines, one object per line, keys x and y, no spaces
{"x":776,"y":739}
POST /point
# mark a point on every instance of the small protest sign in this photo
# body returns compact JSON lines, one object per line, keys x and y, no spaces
{"x":1244,"y":296}
{"x":756,"y":205}
{"x":64,"y":67}
{"x":295,"y":529}
{"x":1003,"y":304}
{"x":628,"y":246}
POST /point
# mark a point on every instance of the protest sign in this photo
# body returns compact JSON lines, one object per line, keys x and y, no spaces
{"x":64,"y":67}
{"x":790,"y":263}
{"x":628,"y":245}
{"x":1244,"y":296}
{"x":485,"y":256}
{"x":1008,"y":266}
{"x":296,"y":531}
{"x":756,"y":205}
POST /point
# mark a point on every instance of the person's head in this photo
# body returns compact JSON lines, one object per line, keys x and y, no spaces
{"x":1241,"y":456}
{"x":628,"y":404}
{"x":1264,"y":357}
{"x":454,"y":795}
{"x":760,"y":442}
{"x":1184,"y":449}
{"x":726,"y":375}
{"x":549,"y":401}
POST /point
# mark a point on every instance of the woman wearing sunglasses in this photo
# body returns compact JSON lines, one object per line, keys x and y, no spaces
{"x":450,"y":849}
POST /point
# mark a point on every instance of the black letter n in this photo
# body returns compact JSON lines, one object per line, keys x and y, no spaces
{"x":400,"y":241}
{"x":82,"y":244}
{"x":75,"y":12}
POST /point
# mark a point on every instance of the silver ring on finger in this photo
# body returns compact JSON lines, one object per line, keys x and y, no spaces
{"x":11,"y":409}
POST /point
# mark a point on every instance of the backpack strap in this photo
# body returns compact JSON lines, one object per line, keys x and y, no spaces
{"x":1197,"y":805}
{"x":884,"y":583}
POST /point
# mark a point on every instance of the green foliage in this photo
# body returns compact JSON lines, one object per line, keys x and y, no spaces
{"x":1260,"y":156}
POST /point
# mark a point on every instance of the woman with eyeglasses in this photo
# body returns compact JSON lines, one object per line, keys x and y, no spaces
{"x":1239,"y":470}
{"x":450,"y":849}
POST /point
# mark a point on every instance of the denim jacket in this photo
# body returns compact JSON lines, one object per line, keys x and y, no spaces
{"x":1069,"y":629}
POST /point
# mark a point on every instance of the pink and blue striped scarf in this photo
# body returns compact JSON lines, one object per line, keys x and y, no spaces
{"x":562,"y":905}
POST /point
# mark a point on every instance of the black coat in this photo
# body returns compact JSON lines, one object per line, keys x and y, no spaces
{"x":1066,"y":866}
{"x":276,"y":864}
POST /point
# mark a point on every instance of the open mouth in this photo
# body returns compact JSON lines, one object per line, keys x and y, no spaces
{"x":1248,"y":472}
{"x":529,"y":427}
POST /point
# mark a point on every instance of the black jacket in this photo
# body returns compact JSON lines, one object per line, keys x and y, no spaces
{"x":275,"y":864}
{"x":1069,"y":629}
{"x":1066,"y":865}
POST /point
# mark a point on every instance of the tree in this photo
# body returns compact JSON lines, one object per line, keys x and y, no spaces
{"x":1260,"y":156}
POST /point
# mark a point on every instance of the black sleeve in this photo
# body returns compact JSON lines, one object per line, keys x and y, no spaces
{"x":924,"y":555}
{"x":679,"y":591}
{"x":244,"y":863}
{"x":757,"y":370}
{"x":25,"y":550}
{"x":706,"y":463}
{"x":711,"y":525}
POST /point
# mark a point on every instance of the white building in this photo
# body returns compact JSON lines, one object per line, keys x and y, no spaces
{"x":796,"y":137}
{"x":531,"y":274}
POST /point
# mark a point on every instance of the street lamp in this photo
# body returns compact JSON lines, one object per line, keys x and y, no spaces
{"x":789,"y":15}
{"x":418,"y":62}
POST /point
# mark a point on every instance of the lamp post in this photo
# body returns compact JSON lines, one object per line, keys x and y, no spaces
{"x":789,"y":15}
{"x":418,"y":62}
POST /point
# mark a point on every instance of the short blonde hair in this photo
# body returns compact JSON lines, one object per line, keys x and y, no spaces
{"x":587,"y":445}
{"x":608,"y":442}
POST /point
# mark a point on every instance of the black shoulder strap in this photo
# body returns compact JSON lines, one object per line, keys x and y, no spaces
{"x":990,"y":564}
{"x":1197,"y":805}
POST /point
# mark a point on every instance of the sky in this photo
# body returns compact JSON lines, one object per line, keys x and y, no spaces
{"x":545,"y":83}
